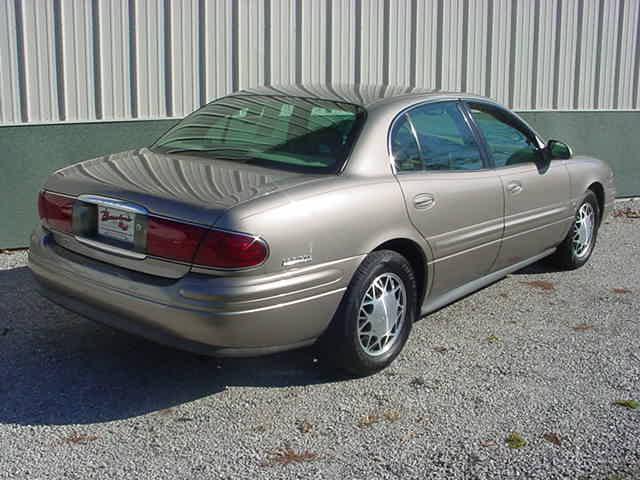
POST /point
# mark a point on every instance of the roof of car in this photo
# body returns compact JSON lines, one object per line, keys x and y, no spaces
{"x":359,"y":94}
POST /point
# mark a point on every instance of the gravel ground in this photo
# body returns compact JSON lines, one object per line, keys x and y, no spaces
{"x":543,"y":354}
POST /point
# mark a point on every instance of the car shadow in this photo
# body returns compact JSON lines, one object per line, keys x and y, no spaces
{"x":540,"y":267}
{"x":59,"y":368}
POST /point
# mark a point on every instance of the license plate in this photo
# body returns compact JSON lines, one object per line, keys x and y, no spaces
{"x":116,"y":224}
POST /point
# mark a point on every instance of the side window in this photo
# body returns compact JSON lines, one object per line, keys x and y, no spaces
{"x":446,"y":143}
{"x":509,"y":144}
{"x":404,"y":147}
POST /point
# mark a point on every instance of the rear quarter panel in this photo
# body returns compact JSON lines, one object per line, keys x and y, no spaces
{"x":338,"y":218}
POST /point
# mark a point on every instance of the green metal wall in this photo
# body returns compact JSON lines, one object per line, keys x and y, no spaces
{"x":28,"y":153}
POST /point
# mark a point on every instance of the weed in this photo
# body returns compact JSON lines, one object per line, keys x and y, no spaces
{"x":620,"y":291}
{"x":304,"y":426}
{"x":630,"y":404}
{"x":488,"y":443}
{"x":287,"y":456}
{"x":626,"y":212}
{"x":582,"y":327}
{"x":543,"y":285}
{"x":368,"y":420}
{"x":79,"y":439}
{"x":493,"y":339}
{"x":552,"y":437}
{"x":515,"y":440}
{"x":391,"y":416}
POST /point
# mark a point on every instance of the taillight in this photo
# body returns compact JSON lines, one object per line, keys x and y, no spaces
{"x":173,"y":240}
{"x":221,"y":249}
{"x":56,"y":211}
{"x":201,"y":246}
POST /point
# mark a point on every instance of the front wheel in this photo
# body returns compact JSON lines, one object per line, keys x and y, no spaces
{"x":577,"y":247}
{"x":374,"y":319}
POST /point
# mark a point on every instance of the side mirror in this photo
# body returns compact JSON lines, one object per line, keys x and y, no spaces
{"x":559,"y":150}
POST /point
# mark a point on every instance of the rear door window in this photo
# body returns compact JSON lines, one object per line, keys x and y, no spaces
{"x":445,"y":140}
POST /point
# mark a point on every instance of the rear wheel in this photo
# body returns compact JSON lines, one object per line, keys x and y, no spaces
{"x":578,"y":245}
{"x":374,"y":319}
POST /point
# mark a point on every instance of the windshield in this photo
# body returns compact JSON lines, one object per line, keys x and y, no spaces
{"x":291,"y":133}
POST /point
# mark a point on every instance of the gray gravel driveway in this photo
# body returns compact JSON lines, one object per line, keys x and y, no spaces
{"x":542,"y":355}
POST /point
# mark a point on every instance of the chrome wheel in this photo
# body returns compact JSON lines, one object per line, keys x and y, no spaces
{"x":583,"y":230}
{"x":381,"y":314}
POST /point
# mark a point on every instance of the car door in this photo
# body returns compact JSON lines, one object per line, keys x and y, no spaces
{"x":451,"y":195}
{"x":536,"y":192}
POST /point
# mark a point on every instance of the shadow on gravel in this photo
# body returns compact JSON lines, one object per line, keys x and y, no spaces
{"x":537,"y":268}
{"x":58,"y":368}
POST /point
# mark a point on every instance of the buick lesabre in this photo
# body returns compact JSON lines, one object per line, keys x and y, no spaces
{"x":280,"y":217}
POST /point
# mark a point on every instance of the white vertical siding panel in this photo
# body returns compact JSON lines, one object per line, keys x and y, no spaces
{"x":184,"y":56}
{"x":566,"y":66}
{"x":218,"y":48}
{"x":40,"y":61}
{"x":501,"y":29}
{"x":343,"y":41}
{"x":588,"y":55}
{"x":250,"y":43}
{"x":426,"y":41}
{"x":608,"y":55}
{"x":150,"y":55}
{"x":283,"y":41}
{"x":452,"y":45}
{"x":77,"y":47}
{"x":400,"y":43}
{"x":114,"y":61}
{"x":586,"y":76}
{"x":372,"y":42}
{"x":9,"y":83}
{"x":477,"y":46}
{"x":523,"y":58}
{"x":314,"y":41}
{"x":629,"y":36}
{"x":546,"y":55}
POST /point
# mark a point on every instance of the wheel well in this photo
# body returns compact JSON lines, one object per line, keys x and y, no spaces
{"x":599,"y":191}
{"x":416,"y":258}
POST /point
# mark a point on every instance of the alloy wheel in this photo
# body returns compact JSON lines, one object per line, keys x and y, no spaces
{"x":381,"y":314}
{"x":583,"y":230}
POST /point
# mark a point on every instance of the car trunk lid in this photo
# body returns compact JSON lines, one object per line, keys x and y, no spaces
{"x":119,"y":193}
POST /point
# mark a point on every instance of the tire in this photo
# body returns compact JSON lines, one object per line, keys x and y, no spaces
{"x":350,"y":343}
{"x":569,"y":255}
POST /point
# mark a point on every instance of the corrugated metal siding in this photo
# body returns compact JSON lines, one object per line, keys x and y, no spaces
{"x":78,"y":60}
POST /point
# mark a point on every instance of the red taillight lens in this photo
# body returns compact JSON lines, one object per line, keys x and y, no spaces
{"x":221,"y":249}
{"x":174,"y":240}
{"x":56,"y":211}
{"x":209,"y":248}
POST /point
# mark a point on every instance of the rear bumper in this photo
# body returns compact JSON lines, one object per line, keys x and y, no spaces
{"x":226,"y":316}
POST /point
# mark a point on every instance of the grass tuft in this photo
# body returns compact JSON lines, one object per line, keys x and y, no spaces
{"x":515,"y":440}
{"x":630,"y":404}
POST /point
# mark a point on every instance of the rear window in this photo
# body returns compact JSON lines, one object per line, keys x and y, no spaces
{"x":290,"y":133}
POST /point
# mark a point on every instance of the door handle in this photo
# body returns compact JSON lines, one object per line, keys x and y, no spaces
{"x":424,"y":201}
{"x":514,"y":187}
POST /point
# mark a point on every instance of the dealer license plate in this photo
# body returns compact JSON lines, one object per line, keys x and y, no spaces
{"x":116,"y":224}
